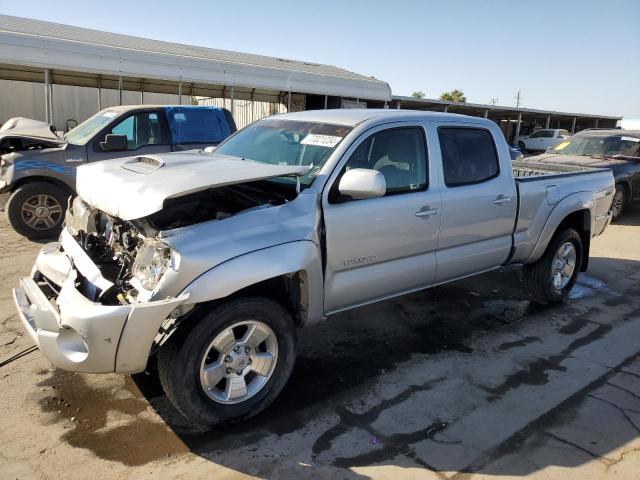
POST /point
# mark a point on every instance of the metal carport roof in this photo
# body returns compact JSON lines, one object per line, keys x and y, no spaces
{"x":478,"y":108}
{"x":85,"y":57}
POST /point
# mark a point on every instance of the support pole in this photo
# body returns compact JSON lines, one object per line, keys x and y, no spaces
{"x":48,"y":114}
{"x":446,"y":108}
{"x":548,"y":122}
{"x":99,"y":93}
{"x":597,"y":121}
{"x":515,"y":138}
{"x":180,"y":91}
{"x":120,"y":89}
{"x":486,"y":113}
{"x":326,"y":101}
{"x":386,"y":105}
{"x":289,"y":101}
{"x":232,"y":104}
{"x":398,"y":104}
{"x":573,"y":126}
{"x":357,"y":103}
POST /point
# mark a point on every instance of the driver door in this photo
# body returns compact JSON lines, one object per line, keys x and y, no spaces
{"x":380,"y":247}
{"x":146,"y":133}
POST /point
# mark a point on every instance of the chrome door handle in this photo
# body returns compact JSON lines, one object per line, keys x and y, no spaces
{"x":427,"y":212}
{"x":501,"y":199}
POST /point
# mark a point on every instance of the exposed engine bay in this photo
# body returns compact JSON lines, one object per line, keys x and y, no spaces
{"x":131,"y":254}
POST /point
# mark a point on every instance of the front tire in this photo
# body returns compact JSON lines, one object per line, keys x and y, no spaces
{"x":36,"y":210}
{"x":522,"y":147}
{"x":231,"y":364}
{"x":550,"y":279}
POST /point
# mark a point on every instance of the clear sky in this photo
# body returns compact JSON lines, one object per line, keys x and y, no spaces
{"x":569,"y":55}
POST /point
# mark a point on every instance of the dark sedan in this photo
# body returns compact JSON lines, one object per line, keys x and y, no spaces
{"x":618,"y":150}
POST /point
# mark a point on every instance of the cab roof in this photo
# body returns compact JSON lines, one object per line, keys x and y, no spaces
{"x":352,"y":117}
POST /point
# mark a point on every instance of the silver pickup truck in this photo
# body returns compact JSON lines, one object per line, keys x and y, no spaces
{"x":210,"y":261}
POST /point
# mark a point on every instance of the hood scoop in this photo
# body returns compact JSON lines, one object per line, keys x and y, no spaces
{"x":143,"y":164}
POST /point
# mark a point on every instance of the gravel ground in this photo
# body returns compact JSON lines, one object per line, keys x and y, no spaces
{"x":468,"y":380}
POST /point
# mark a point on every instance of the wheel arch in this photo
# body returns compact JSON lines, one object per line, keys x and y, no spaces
{"x":289,"y":273}
{"x":571,"y":212}
{"x":44,"y":179}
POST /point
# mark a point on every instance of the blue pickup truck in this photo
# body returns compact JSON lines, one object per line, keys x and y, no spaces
{"x":38,"y":167}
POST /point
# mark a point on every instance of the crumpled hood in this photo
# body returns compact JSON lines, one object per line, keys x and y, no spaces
{"x":135,"y":187}
{"x":28,"y":128}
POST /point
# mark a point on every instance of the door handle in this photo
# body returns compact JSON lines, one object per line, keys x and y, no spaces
{"x":502,"y":199}
{"x":427,"y":212}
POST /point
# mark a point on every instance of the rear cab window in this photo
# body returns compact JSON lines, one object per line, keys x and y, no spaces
{"x":469,"y":155}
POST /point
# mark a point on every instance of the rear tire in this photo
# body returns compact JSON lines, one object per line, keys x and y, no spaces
{"x":212,"y":398}
{"x":547,"y":280}
{"x":36,"y":210}
{"x":617,"y":205}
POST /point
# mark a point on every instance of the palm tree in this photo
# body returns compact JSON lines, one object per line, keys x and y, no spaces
{"x":454,"y":96}
{"x":418,"y":94}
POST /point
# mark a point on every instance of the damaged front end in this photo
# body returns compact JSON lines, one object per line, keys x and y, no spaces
{"x":88,"y":302}
{"x":130,"y":260}
{"x":104,"y":296}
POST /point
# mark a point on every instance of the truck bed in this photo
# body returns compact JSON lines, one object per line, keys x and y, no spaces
{"x":542,"y":187}
{"x":526,"y":170}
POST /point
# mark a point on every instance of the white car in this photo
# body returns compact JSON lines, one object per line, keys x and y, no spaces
{"x":540,"y":140}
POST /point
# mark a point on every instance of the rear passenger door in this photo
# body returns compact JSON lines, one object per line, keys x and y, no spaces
{"x":478,"y":201}
{"x":380,"y":247}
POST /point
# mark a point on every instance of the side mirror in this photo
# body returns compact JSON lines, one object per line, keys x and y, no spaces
{"x":361,"y":183}
{"x":114,"y":143}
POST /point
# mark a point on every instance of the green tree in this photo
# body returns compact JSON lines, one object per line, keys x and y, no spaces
{"x":418,"y":94}
{"x":454,"y":96}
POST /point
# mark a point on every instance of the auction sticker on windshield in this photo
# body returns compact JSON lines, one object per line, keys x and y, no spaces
{"x":328,"y":141}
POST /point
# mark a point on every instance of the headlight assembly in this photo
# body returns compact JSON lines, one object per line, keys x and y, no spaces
{"x":151,"y":263}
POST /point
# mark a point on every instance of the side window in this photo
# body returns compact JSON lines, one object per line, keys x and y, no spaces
{"x":399,"y":154}
{"x":537,"y":134}
{"x":546,"y":133}
{"x":125,"y":127}
{"x":141,"y":129}
{"x":468,"y":155}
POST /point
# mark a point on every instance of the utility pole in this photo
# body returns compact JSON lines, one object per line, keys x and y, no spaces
{"x":518,"y":99}
{"x":493,"y":101}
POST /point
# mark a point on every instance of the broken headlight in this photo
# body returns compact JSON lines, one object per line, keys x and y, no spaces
{"x":151,"y":263}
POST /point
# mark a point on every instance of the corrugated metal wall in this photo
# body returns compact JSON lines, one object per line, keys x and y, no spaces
{"x":26,"y":99}
{"x":248,"y":111}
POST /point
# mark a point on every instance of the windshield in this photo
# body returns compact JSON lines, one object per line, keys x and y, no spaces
{"x":87,"y":129}
{"x":600,"y":146}
{"x":286,"y":142}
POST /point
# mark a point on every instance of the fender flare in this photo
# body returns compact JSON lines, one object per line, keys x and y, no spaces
{"x":233,"y":275}
{"x":570,"y":204}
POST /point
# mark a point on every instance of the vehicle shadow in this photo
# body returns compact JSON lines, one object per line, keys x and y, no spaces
{"x":630,"y":216}
{"x":336,"y":358}
{"x":353,"y":348}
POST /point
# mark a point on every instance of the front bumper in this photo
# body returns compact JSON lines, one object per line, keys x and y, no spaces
{"x":76,"y":333}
